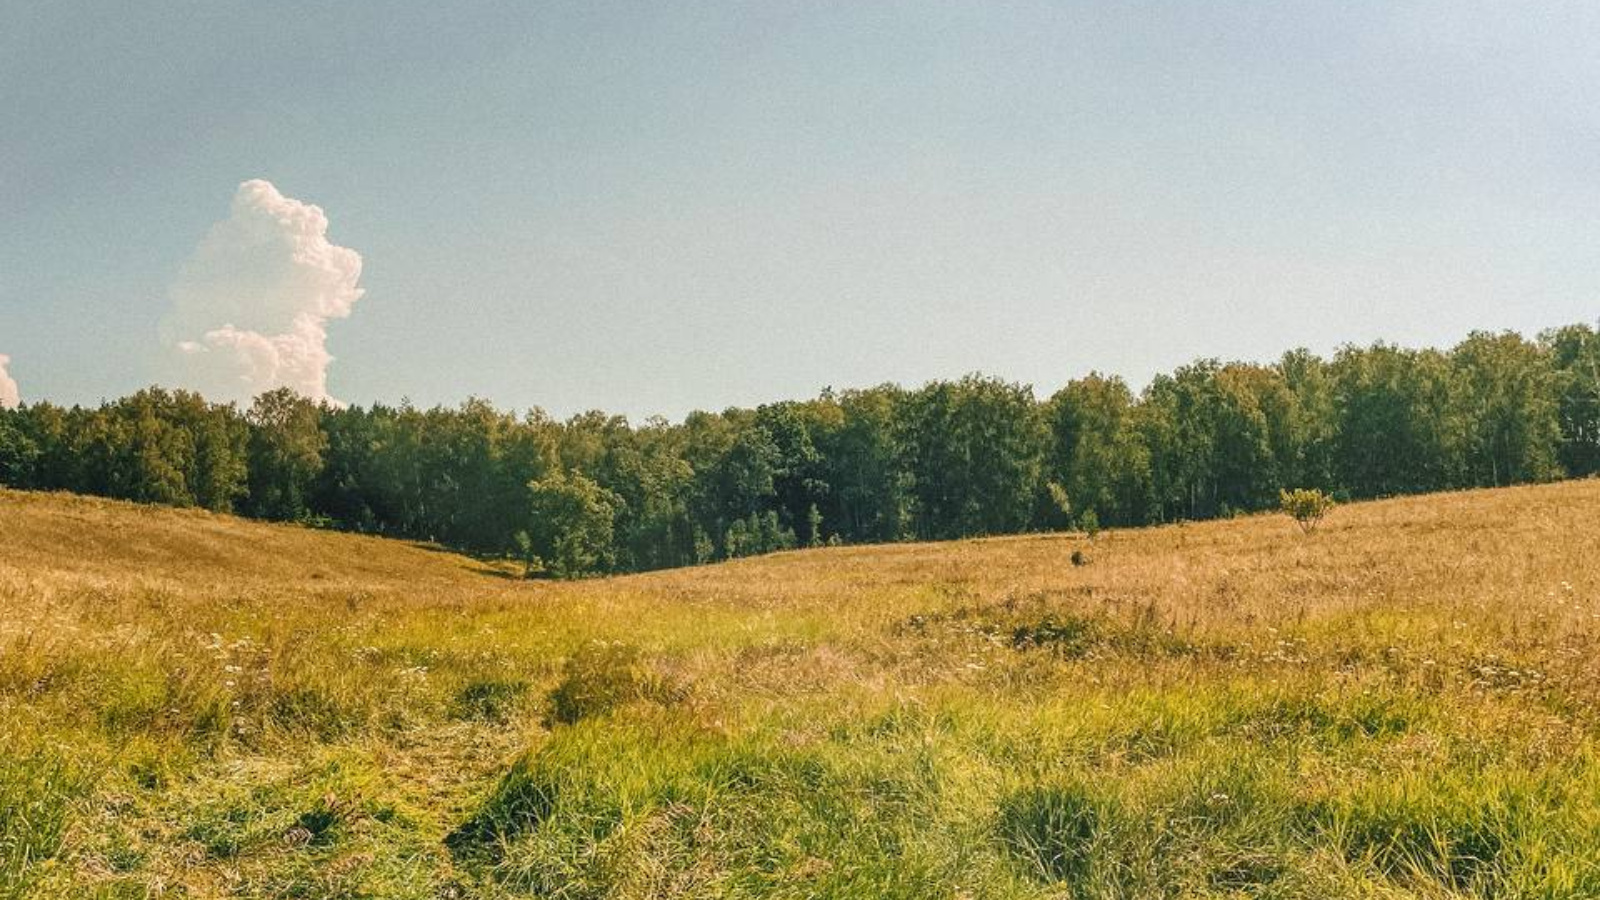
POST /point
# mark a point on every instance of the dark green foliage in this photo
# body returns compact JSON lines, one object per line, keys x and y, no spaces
{"x":572,"y":519}
{"x":287,"y":448}
{"x":974,"y":451}
{"x":1575,"y":357}
{"x":1096,"y":455}
{"x":596,"y":494}
{"x":1395,"y":434}
{"x":320,"y":822}
{"x":1504,"y":390}
{"x":18,"y":451}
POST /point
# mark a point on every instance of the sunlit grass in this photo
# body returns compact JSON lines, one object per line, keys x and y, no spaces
{"x":1400,"y":704}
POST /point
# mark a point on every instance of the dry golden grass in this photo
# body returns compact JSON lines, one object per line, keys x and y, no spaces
{"x":1401,"y":704}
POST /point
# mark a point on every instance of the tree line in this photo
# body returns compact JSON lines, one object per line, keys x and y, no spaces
{"x":978,"y":456}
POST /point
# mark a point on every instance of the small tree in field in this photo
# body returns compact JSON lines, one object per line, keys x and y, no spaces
{"x":1089,"y":523}
{"x":1306,"y":505}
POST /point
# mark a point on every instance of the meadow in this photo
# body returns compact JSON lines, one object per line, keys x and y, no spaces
{"x":1399,"y":704}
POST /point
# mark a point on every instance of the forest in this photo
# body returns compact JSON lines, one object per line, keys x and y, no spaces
{"x":597,"y":494}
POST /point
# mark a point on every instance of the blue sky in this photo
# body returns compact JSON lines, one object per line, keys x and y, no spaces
{"x":649,"y":208}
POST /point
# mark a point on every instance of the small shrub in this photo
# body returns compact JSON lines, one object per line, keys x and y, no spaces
{"x":1078,"y":559}
{"x":1089,"y":523}
{"x":1307,"y":506}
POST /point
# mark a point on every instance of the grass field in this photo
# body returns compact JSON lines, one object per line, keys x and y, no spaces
{"x":1400,"y":704}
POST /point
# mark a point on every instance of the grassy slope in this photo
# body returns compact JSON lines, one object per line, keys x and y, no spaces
{"x":1399,"y":705}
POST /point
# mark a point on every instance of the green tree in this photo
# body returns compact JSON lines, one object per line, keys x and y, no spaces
{"x":1096,"y":454}
{"x":1177,"y":424}
{"x":572,"y":524}
{"x":1575,"y":358}
{"x":18,"y":450}
{"x":1314,"y":420}
{"x":799,"y":479}
{"x":1253,"y":443}
{"x":974,"y":449}
{"x":286,"y":447}
{"x":869,"y":489}
{"x":1506,"y":399}
{"x":1395,"y":431}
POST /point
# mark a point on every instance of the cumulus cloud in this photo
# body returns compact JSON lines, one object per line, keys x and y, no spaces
{"x":251,"y":307}
{"x":9,"y":395}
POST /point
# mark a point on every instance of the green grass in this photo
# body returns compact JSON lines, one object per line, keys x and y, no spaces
{"x":1400,"y":705}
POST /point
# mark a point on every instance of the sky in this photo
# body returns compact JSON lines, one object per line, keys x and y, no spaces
{"x":650,"y":208}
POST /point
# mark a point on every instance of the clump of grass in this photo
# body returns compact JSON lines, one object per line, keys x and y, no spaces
{"x":1052,"y":830}
{"x":522,"y":800}
{"x":1075,"y":636}
{"x":492,"y":700}
{"x":603,"y":676}
{"x":311,"y":709}
{"x":38,"y":790}
{"x":315,"y":804}
{"x":1464,"y":833}
{"x":1067,"y":635}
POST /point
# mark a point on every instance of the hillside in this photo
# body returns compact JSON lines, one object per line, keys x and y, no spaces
{"x":1400,"y":704}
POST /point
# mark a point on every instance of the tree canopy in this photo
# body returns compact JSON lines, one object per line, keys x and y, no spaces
{"x":975,"y":456}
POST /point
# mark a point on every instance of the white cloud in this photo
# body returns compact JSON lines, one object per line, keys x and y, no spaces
{"x":251,"y":307}
{"x":9,"y":395}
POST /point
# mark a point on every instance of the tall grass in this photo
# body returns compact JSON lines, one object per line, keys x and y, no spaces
{"x":38,"y":790}
{"x":1400,"y":704}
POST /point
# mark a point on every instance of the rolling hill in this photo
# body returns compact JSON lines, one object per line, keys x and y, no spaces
{"x":1401,"y":703}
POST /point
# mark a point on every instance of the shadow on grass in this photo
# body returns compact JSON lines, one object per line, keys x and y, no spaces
{"x":488,"y":566}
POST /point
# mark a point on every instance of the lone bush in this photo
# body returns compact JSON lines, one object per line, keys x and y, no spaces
{"x":1306,"y":505}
